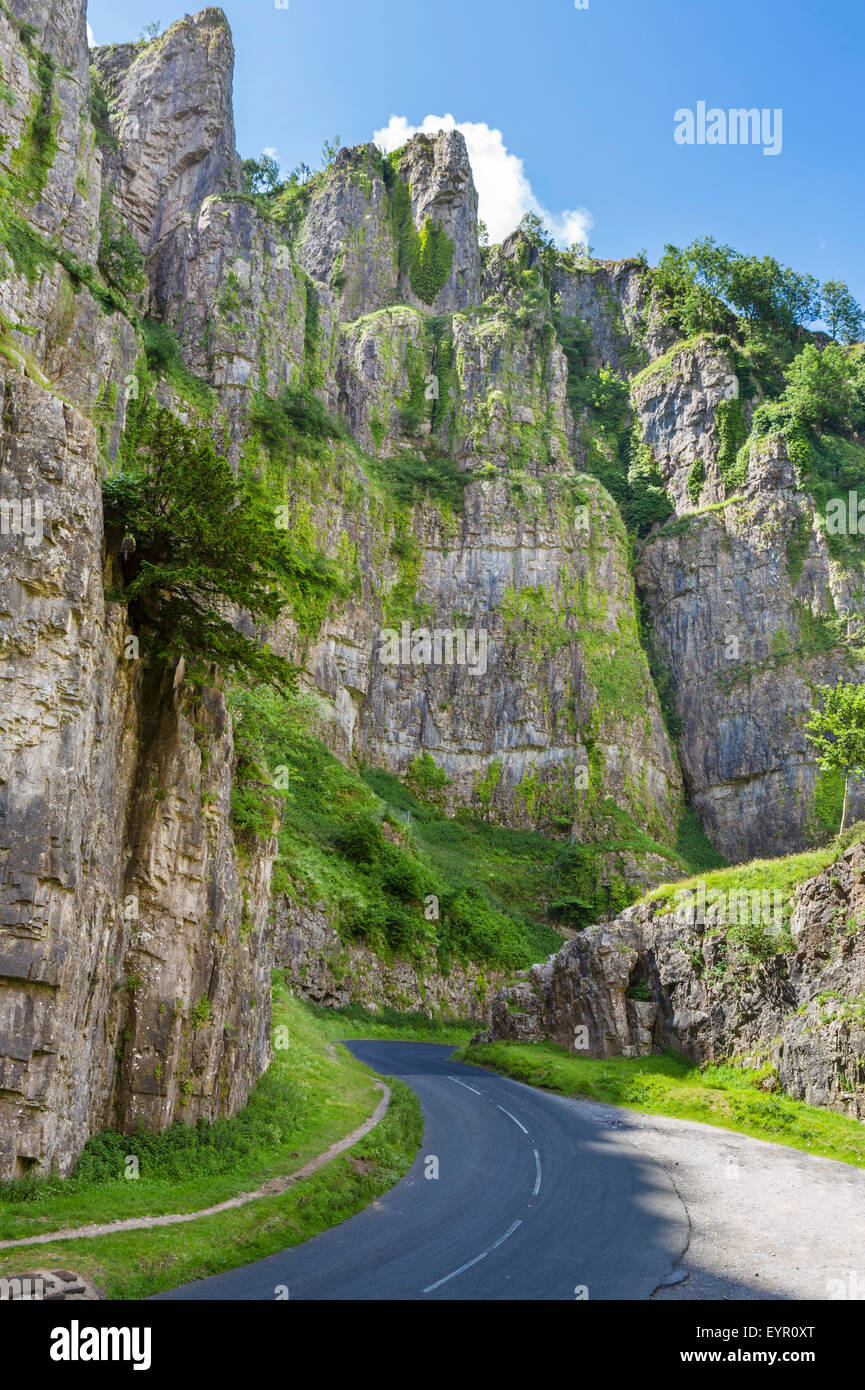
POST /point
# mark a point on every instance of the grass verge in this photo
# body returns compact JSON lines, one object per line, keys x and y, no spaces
{"x":354,"y":1021}
{"x":728,"y":1097}
{"x":307,"y":1101}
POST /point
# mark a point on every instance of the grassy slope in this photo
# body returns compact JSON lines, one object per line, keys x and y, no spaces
{"x":306,"y":1102}
{"x":784,"y":874}
{"x":726,"y":1097}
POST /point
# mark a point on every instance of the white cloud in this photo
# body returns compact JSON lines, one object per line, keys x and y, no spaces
{"x":91,"y":42}
{"x":269,"y":151}
{"x":504,"y":190}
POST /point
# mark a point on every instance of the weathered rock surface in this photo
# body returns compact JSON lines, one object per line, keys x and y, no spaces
{"x":798,"y":1015}
{"x":319,"y":966}
{"x":132,"y":983}
{"x":173,"y":119}
{"x":739,"y":599}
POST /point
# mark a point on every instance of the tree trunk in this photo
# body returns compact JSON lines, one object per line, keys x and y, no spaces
{"x":846,"y":800}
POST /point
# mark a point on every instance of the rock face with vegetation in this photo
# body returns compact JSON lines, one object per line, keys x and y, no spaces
{"x":717,"y":984}
{"x":608,"y":516}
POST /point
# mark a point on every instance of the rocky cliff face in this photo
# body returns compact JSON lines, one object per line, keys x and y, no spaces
{"x":318,"y":965}
{"x":741,"y":597}
{"x":653,"y":978}
{"x":135,"y":938}
{"x":133,"y":986}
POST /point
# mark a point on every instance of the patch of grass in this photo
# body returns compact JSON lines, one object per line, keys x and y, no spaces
{"x":728,"y":1097}
{"x":355,"y":1021}
{"x":136,"y":1264}
{"x":784,"y":874}
{"x":491,"y":884}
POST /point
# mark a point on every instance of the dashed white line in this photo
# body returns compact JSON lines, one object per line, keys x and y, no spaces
{"x":538,"y":1168}
{"x":464,"y":1083}
{"x":512,"y":1117}
{"x":477,"y":1259}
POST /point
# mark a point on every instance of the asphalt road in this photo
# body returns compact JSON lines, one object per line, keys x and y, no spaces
{"x":532,"y":1201}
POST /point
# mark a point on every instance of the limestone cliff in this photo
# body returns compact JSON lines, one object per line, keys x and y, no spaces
{"x":461,"y":480}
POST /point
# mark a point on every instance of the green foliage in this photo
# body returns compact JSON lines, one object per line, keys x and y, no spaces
{"x":31,"y":256}
{"x":585,"y":890}
{"x":260,"y":176}
{"x":823,"y":392}
{"x":732,"y":433}
{"x":840,"y":311}
{"x":648,"y":502}
{"x":798,"y":543}
{"x":432,"y":261}
{"x":333,"y":848}
{"x":696,"y":480}
{"x":296,"y":420}
{"x":702,"y":288}
{"x":829,"y":802}
{"x":837,"y":733}
{"x":329,"y":151}
{"x":410,"y":478}
{"x":164,"y":359}
{"x":426,"y":256}
{"x":196,"y":538}
{"x":32,"y":160}
{"x":615,"y":452}
{"x":426,"y":779}
{"x":120,"y":258}
{"x":823,"y":401}
{"x":100,"y":115}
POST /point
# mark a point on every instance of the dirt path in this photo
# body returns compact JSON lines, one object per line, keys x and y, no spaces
{"x":273,"y":1188}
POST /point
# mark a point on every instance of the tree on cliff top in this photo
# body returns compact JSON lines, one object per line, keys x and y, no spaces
{"x":837,"y":732}
{"x":198,"y":543}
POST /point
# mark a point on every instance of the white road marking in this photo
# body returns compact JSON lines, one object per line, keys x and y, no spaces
{"x":464,"y":1083}
{"x":538,"y":1178}
{"x":477,"y":1259}
{"x":512,"y":1117}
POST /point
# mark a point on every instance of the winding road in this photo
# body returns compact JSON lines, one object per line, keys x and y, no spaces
{"x":532,"y":1200}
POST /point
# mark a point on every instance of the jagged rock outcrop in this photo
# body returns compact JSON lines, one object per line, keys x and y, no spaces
{"x":676,"y":401}
{"x":798,"y":1016}
{"x":380,"y":230}
{"x":173,"y":118}
{"x":612,"y":301}
{"x":132,"y":986}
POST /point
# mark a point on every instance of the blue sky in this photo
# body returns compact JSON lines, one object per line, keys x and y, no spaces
{"x":585,"y":99}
